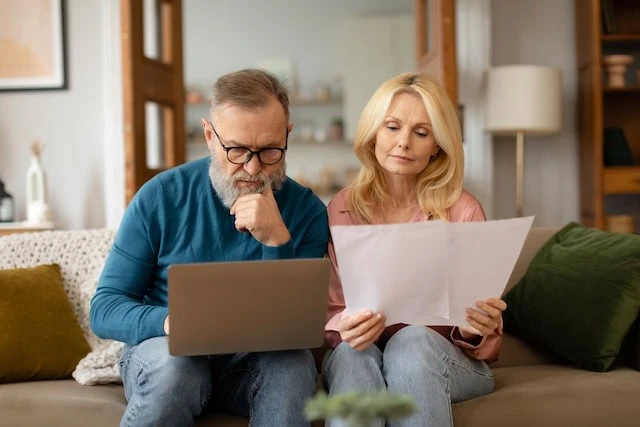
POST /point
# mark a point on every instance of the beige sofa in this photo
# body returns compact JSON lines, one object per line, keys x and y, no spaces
{"x":532,"y":389}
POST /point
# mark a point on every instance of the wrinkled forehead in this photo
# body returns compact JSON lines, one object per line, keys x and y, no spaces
{"x":270,"y":116}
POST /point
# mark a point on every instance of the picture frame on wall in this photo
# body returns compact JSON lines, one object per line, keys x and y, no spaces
{"x":33,"y":45}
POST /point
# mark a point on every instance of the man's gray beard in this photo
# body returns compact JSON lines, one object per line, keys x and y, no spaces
{"x":226,"y":186}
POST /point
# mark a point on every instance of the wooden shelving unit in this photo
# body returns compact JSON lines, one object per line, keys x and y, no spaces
{"x":601,"y":106}
{"x":629,"y":89}
{"x":620,"y":37}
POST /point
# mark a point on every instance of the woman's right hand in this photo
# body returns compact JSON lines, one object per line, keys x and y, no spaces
{"x":362,"y":329}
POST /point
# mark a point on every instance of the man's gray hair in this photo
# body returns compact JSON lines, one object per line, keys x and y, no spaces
{"x":249,"y":88}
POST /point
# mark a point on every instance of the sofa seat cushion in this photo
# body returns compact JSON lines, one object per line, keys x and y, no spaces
{"x":553,"y":395}
{"x":67,"y":403}
{"x":549,"y":395}
{"x":60,"y":403}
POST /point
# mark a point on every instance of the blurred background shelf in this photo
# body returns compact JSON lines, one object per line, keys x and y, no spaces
{"x":626,"y":89}
{"x":620,"y":38}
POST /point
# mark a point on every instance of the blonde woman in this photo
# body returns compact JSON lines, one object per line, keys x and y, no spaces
{"x":409,"y":143}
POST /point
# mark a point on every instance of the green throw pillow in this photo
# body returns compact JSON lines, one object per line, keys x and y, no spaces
{"x":40,"y":337}
{"x":580,"y":295}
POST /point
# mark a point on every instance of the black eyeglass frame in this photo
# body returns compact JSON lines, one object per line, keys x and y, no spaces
{"x":252,"y":152}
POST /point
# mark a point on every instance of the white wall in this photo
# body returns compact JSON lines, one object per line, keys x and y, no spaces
{"x":69,"y":122}
{"x":229,"y":35}
{"x":539,"y":32}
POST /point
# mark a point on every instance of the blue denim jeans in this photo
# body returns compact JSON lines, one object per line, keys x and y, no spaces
{"x":270,"y":388}
{"x":416,"y":361}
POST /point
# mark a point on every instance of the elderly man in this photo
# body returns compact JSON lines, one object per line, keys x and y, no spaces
{"x":237,"y":205}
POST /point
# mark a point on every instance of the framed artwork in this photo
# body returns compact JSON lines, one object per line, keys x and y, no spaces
{"x":32,"y":45}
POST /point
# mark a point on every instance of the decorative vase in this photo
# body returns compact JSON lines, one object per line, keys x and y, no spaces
{"x":6,"y":205}
{"x":616,"y":68}
{"x":37,"y":210}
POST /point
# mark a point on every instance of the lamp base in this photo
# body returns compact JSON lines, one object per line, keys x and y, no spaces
{"x":520,"y":174}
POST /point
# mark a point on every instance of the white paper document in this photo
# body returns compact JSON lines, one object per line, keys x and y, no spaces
{"x":426,"y":273}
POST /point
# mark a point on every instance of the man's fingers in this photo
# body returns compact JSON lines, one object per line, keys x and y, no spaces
{"x":242,"y":203}
{"x":268,"y":191}
{"x":241,"y":225}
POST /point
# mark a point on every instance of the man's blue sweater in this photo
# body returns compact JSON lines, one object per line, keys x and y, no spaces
{"x":177,"y":218}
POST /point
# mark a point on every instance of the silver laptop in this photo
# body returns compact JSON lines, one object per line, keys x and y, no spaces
{"x":247,"y":306}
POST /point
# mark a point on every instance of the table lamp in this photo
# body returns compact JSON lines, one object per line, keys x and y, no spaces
{"x":523,"y":99}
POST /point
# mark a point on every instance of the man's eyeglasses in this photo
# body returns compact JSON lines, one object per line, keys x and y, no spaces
{"x":242,"y":155}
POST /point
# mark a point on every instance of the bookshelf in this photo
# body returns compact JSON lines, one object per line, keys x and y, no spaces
{"x":608,"y":27}
{"x":620,"y":38}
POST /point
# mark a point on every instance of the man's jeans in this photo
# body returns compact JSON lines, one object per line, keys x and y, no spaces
{"x":270,"y":388}
{"x":416,"y":361}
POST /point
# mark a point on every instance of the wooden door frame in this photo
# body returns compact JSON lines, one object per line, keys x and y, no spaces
{"x":146,"y":80}
{"x":442,"y":60}
{"x":115,"y":170}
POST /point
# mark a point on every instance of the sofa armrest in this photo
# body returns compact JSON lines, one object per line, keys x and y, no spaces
{"x":517,"y":352}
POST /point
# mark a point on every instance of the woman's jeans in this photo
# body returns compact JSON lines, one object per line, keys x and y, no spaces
{"x":416,"y":361}
{"x":163,"y":390}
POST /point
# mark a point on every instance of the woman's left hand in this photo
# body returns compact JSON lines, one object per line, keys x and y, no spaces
{"x":485,"y":321}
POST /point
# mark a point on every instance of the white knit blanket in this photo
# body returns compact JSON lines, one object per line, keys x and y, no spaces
{"x":81,"y":255}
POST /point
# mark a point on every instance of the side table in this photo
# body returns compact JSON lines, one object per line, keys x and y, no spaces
{"x":23,"y":227}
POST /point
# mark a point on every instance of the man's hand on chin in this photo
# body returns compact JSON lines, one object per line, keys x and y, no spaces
{"x":258,"y":213}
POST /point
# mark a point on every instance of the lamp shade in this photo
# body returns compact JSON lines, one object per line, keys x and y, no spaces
{"x":524,"y":98}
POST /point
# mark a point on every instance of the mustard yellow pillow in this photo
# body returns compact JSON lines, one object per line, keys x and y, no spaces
{"x":40,"y":337}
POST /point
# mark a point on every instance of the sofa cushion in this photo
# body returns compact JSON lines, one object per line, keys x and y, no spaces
{"x":541,"y":395}
{"x":40,"y":337}
{"x":81,"y":255}
{"x":60,"y":403}
{"x":67,"y":403}
{"x":580,"y":295}
{"x":552,"y":395}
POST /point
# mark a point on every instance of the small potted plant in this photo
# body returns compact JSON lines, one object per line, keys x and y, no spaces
{"x":359,"y":409}
{"x":336,"y":130}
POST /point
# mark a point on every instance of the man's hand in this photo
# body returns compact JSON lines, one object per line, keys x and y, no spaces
{"x":259,"y":215}
{"x":362,"y":329}
{"x":166,"y":325}
{"x":487,"y":323}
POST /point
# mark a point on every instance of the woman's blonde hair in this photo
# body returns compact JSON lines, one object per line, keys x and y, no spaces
{"x":439,"y":185}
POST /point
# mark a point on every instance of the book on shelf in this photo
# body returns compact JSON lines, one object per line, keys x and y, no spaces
{"x":608,"y":17}
{"x":616,"y":148}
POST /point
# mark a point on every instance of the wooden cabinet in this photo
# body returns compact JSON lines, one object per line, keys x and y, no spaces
{"x":602,"y":106}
